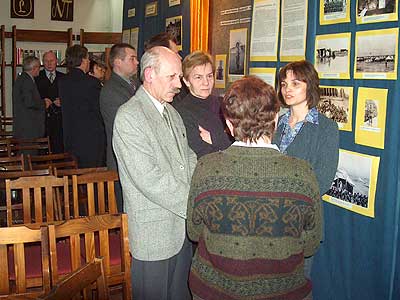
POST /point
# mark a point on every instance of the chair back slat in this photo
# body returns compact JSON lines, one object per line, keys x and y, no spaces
{"x":91,"y":233}
{"x":23,"y":281}
{"x":80,"y":281}
{"x":58,"y":160}
{"x":47,"y":206}
{"x":95,"y":192}
{"x":16,"y":146}
{"x":12,"y":164}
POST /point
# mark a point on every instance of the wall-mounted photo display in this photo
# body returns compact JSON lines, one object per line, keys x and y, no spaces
{"x":151,"y":9}
{"x":134,"y":37}
{"x":376,"y":54}
{"x":173,"y":25}
{"x":371,"y":117}
{"x":333,"y":12}
{"x":332,"y":55}
{"x":337,"y":104}
{"x":355,"y":181}
{"x":293,"y":30}
{"x":173,"y":2}
{"x":220,"y":71}
{"x":237,"y":53}
{"x":373,"y":11}
{"x":126,"y":35}
{"x":266,"y":74}
{"x":264,"y":30}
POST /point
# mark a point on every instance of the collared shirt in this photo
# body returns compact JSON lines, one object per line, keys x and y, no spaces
{"x":160,"y":106}
{"x":288,"y":133}
{"x":260,"y":144}
{"x":48,"y":74}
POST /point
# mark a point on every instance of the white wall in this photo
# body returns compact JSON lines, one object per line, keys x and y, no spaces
{"x":91,"y":15}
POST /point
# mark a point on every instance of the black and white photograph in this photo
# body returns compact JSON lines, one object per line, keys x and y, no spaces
{"x":220,"y":71}
{"x":334,"y":6}
{"x":237,"y":51}
{"x":375,"y":7}
{"x":352,"y":179}
{"x":332,"y":55}
{"x":336,"y":103}
{"x":375,"y":52}
{"x":174,"y":27}
{"x":371,"y":114}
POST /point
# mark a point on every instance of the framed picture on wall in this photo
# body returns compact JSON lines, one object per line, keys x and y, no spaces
{"x":376,"y":11}
{"x":333,"y":12}
{"x":337,"y":104}
{"x":237,"y":53}
{"x":332,"y":55}
{"x":173,"y":2}
{"x":151,"y":9}
{"x":220,"y":71}
{"x":355,"y":181}
{"x":173,"y":25}
{"x":268,"y":75}
{"x":376,"y":54}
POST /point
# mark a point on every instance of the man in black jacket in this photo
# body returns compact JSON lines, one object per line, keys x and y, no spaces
{"x":84,"y":134}
{"x":47,"y":83}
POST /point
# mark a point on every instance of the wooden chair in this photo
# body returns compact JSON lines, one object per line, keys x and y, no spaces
{"x":70,"y":172}
{"x":15,"y":206}
{"x":39,"y":191}
{"x":25,"y":252}
{"x":79,"y":283}
{"x":39,"y":145}
{"x":94,"y":193}
{"x":59,"y":161}
{"x":15,"y":163}
{"x":6,"y":124}
{"x":88,"y":237}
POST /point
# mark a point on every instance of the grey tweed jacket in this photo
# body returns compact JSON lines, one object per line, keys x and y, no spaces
{"x":155,"y":176}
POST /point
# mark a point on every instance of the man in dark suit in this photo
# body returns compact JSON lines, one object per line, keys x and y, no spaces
{"x":155,"y":165}
{"x":83,"y":127}
{"x":28,"y":106}
{"x":115,"y":92}
{"x":47,"y":83}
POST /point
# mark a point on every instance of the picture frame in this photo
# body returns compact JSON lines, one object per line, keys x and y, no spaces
{"x":151,"y":9}
{"x":173,"y":25}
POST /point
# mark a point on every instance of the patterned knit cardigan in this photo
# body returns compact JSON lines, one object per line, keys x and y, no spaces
{"x":255,"y":213}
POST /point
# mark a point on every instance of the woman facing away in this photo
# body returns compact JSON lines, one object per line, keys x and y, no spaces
{"x":200,"y":110}
{"x":255,"y":212}
{"x":303,"y":132}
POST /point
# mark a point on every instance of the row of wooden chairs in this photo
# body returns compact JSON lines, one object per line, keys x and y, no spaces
{"x":13,"y":146}
{"x":47,"y":198}
{"x":41,"y":257}
{"x":37,"y":162}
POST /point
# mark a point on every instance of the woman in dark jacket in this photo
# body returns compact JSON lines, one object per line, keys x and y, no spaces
{"x":200,"y":110}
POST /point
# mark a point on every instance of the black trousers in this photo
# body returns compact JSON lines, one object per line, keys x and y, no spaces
{"x":163,"y":279}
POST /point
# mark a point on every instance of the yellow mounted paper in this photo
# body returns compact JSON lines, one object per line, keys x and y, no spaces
{"x":376,"y":11}
{"x":293,"y":30}
{"x":264,"y":30}
{"x":354,"y":186}
{"x":333,"y":12}
{"x":266,"y":74}
{"x":332,"y":55}
{"x":337,"y":104}
{"x":220,"y":71}
{"x":376,"y":54}
{"x":371,"y":117}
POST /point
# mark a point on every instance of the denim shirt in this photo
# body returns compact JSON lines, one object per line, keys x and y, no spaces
{"x":288,"y":133}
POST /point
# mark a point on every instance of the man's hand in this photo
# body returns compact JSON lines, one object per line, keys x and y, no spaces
{"x":48,"y":102}
{"x":205,"y":135}
{"x":57,"y":102}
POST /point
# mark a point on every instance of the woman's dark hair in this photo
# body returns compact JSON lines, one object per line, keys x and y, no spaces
{"x":74,"y":56}
{"x":251,"y":106}
{"x":304,"y":71}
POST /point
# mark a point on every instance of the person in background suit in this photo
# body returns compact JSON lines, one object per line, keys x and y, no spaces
{"x":28,"y":106}
{"x":84,"y":134}
{"x":155,"y":165}
{"x":165,"y":39}
{"x":97,"y":69}
{"x":47,"y":84}
{"x":116,"y":91}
